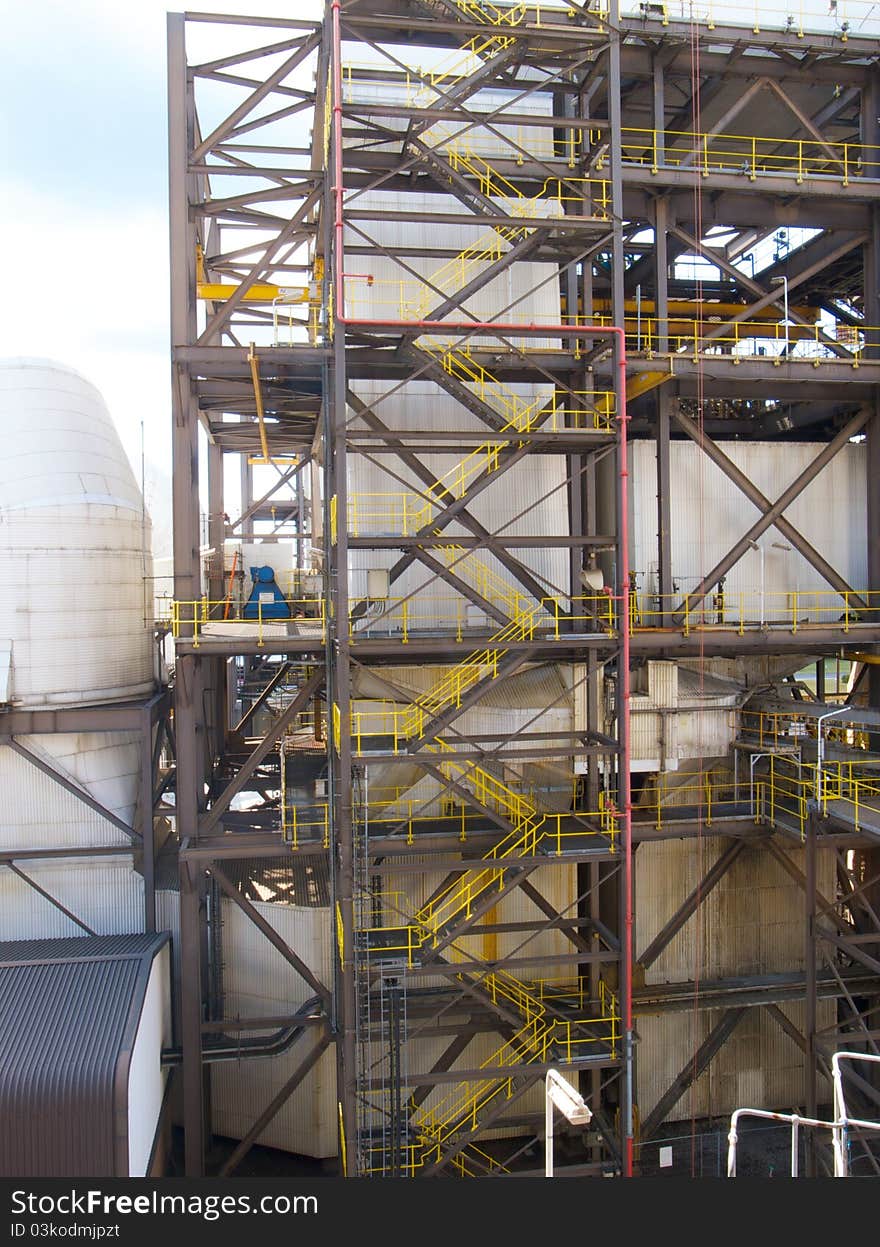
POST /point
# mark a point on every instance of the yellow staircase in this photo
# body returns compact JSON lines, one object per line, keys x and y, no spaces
{"x":457,"y":272}
{"x":545,"y":1036}
{"x":450,"y":688}
{"x":465,"y":60}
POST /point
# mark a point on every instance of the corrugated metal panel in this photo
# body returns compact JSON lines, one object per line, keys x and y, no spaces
{"x":65,"y":1026}
{"x":663,"y":683}
{"x":108,"y":946}
{"x":104,"y":892}
{"x":306,"y":1123}
{"x":38,"y":813}
{"x":259,"y":982}
{"x":758,"y":1066}
{"x":253,"y":967}
{"x":751,"y":923}
{"x":828,"y":513}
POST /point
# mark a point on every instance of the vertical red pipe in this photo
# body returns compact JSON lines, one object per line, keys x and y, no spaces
{"x":625,"y":793}
{"x":585,"y":331}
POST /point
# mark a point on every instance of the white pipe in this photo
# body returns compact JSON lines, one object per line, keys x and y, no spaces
{"x":838,"y":1126}
{"x":792,"y":1118}
{"x":841,"y":1119}
{"x":570,"y":1103}
{"x":820,"y":750}
{"x":548,"y":1129}
{"x":755,"y":757}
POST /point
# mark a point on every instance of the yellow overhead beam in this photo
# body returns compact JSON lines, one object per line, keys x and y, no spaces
{"x":260,"y":292}
{"x":693,"y":309}
{"x":642,"y":382}
{"x":253,"y":360}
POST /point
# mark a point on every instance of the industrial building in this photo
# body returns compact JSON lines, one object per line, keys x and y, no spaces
{"x":516,"y":708}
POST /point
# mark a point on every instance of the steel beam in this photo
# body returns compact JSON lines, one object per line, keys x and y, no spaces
{"x":691,"y":904}
{"x":772,"y":512}
{"x":53,"y":900}
{"x":221,"y":804}
{"x":810,"y":988}
{"x":309,"y":1061}
{"x":64,"y":781}
{"x":708,"y":1049}
{"x":239,"y":899}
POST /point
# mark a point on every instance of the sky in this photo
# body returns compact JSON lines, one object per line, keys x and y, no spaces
{"x":83,"y":199}
{"x":84,"y":203}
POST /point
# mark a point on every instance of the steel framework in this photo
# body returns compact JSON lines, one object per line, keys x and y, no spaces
{"x":471,"y":165}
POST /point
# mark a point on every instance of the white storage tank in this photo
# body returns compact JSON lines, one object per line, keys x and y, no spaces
{"x":74,"y":544}
{"x":75,"y":568}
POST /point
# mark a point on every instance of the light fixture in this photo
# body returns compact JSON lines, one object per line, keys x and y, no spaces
{"x":570,"y":1103}
{"x":820,"y":751}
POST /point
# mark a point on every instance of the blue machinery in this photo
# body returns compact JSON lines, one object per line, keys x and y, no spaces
{"x":266,"y":600}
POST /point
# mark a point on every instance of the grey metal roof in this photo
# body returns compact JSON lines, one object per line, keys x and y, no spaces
{"x":69,"y":1013}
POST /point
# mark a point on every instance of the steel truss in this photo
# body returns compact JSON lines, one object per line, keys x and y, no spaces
{"x":605,"y":137}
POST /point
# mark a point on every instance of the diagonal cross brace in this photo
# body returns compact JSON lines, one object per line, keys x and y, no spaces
{"x":708,"y":1049}
{"x":448,"y":716}
{"x":691,"y":904}
{"x":772,"y":512}
{"x":68,"y":785}
{"x":428,"y":477}
{"x":262,"y":751}
{"x":270,"y":933}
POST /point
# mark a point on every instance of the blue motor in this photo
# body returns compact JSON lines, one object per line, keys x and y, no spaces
{"x":266,"y":600}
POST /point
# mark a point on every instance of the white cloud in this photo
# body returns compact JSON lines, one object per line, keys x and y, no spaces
{"x":91,"y":291}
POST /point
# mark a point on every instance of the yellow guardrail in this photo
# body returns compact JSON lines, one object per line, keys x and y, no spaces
{"x":776,"y":729}
{"x":554,"y":616}
{"x":797,"y":17}
{"x":298,"y":828}
{"x":846,"y":784}
{"x":470,"y":1162}
{"x":311,"y":823}
{"x":739,"y":610}
{"x":456,"y":616}
{"x":747,"y":339}
{"x":710,"y":793}
{"x":541,"y":1039}
{"x":307,"y":616}
{"x":450,"y":688}
{"x":746,"y":154}
{"x":457,"y":272}
{"x":551,"y":619}
{"x":788,"y":789}
{"x":409,"y":513}
{"x":470,"y":568}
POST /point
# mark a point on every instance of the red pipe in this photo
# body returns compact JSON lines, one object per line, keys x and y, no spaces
{"x":559,"y":330}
